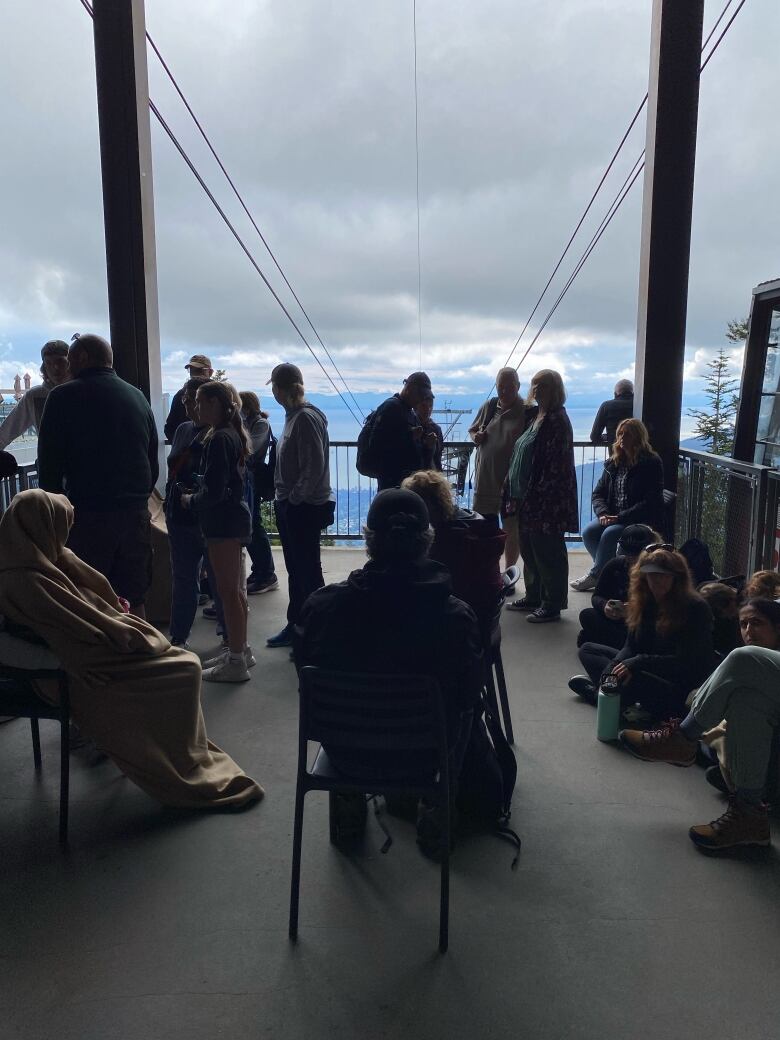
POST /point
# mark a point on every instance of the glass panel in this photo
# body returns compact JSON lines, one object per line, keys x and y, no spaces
{"x":768,"y":454}
{"x":772,"y":370}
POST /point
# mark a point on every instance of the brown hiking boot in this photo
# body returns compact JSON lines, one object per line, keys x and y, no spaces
{"x":665,"y":744}
{"x":741,"y":824}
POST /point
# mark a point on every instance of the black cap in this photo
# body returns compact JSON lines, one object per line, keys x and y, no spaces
{"x":286,"y":376}
{"x":420,"y":379}
{"x":634,"y":538}
{"x":54,"y":348}
{"x":397,"y":507}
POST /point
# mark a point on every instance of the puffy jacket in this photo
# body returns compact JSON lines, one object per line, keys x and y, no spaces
{"x":644,"y":493}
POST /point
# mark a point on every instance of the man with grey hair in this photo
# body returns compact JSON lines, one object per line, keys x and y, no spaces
{"x":612,"y":413}
{"x":28,"y":412}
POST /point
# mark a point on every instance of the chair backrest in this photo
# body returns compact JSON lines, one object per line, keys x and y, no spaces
{"x":372,"y":712}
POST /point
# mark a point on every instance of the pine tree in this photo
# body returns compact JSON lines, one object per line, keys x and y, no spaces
{"x":715,"y":425}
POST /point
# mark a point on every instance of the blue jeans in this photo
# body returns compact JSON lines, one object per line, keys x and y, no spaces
{"x":601,"y":543}
{"x":187,"y":550}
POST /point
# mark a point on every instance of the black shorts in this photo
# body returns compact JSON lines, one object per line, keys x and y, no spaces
{"x":119,"y":545}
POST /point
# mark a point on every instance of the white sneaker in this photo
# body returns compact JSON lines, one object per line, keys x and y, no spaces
{"x":212,"y":654}
{"x":249,"y":657}
{"x":585,"y":583}
{"x":227,"y":671}
{"x":210,"y":662}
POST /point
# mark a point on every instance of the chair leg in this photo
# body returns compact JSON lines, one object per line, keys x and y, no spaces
{"x":502,"y":692}
{"x":490,"y":685}
{"x":64,"y":780}
{"x":36,"y":743}
{"x":444,"y":901}
{"x":295,"y":883}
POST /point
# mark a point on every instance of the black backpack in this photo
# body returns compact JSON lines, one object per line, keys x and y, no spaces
{"x":366,"y":462}
{"x":697,"y":556}
{"x":262,"y":470}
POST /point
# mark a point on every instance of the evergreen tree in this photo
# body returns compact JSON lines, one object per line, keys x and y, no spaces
{"x":715,"y":424}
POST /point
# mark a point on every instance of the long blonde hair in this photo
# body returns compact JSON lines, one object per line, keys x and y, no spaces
{"x":227,"y":395}
{"x":622,"y":456}
{"x":673,"y":609}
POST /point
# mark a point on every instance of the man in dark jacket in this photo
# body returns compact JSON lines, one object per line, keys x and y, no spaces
{"x":397,"y":616}
{"x":199,"y":367}
{"x":98,"y":445}
{"x":397,"y":444}
{"x":612,"y":413}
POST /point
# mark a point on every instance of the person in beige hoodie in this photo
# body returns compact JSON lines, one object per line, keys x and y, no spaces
{"x":496,"y":427}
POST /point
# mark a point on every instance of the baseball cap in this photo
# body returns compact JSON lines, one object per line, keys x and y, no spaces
{"x":54,"y":348}
{"x":286,"y":376}
{"x":634,"y":538}
{"x":397,"y":507}
{"x":199,"y":361}
{"x":421,"y":379}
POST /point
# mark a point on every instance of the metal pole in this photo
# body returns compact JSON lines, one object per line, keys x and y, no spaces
{"x":672,"y":112}
{"x":128,"y":205}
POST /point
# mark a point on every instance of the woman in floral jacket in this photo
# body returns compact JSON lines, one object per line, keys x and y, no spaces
{"x":543,"y":491}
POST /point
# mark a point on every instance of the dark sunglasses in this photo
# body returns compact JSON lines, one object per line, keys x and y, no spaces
{"x":659,"y":545}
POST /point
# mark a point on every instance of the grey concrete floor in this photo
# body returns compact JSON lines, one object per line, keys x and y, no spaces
{"x":158,"y":925}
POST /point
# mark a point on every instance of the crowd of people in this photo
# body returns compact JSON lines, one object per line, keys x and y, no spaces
{"x":700,"y":666}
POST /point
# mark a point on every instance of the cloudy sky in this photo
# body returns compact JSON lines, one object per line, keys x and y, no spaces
{"x":311,"y":104}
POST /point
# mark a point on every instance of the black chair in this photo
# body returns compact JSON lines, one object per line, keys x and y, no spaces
{"x":491,"y":649}
{"x":372,"y":713}
{"x":18,"y":698}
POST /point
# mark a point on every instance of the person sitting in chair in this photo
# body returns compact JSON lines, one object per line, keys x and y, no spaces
{"x":396,"y":616}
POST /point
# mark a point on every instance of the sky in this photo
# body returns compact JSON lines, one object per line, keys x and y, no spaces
{"x":311,"y":105}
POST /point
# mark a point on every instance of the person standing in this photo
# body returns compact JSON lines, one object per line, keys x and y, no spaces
{"x":432,"y":436}
{"x":396,"y":444}
{"x":98,"y":444}
{"x":225,"y":522}
{"x":612,"y":413}
{"x":630,"y":491}
{"x":543,"y":493}
{"x":262,"y":577}
{"x":496,"y":427}
{"x":304,"y":501}
{"x":198,"y":367}
{"x":27,"y":413}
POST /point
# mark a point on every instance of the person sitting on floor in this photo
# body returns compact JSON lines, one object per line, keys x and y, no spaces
{"x":630,"y":491}
{"x":745,"y":691}
{"x":469,"y":546}
{"x":723,"y":601}
{"x":762,"y":585}
{"x":604,"y":621}
{"x":131,"y":692}
{"x":396,"y":616}
{"x":668,"y":651}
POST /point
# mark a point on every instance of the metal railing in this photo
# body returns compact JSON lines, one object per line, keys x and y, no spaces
{"x":27,"y":477}
{"x":733,"y":507}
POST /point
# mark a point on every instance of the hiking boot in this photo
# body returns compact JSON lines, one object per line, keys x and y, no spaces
{"x":542,"y":615}
{"x":741,"y":824}
{"x":584,"y":688}
{"x":585,"y":583}
{"x":257,"y":588}
{"x":665,"y":744}
{"x":714,"y":777}
{"x":283,"y":638}
{"x":227,"y":671}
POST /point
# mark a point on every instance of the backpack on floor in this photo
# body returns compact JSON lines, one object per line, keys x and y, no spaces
{"x":366,"y":461}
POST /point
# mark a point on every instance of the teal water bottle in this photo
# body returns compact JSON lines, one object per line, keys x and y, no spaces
{"x":608,"y":712}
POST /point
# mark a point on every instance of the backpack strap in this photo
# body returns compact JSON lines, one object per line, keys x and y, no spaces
{"x":490,"y":414}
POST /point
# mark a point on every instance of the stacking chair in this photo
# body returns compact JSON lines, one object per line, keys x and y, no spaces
{"x":491,"y":649}
{"x":18,"y":698}
{"x":372,"y":713}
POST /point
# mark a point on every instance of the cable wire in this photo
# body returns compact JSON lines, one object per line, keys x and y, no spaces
{"x":417,"y":175}
{"x":158,"y":115}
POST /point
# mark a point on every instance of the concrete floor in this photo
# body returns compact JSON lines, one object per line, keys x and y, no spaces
{"x":156,"y":925}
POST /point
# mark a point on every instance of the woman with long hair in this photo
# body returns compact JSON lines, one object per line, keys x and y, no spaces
{"x":543,"y":495}
{"x":668,"y":650}
{"x":225,"y":521}
{"x":262,"y":577}
{"x":630,"y":491}
{"x":745,"y":692}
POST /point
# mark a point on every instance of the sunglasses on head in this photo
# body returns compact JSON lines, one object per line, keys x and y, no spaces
{"x":659,"y":545}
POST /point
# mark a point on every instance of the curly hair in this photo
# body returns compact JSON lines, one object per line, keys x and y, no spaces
{"x":435,"y":491}
{"x":762,"y":585}
{"x":624,"y":456}
{"x":227,"y":395}
{"x":673,"y":609}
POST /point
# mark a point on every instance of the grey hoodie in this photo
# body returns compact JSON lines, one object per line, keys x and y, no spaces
{"x":302,"y":457}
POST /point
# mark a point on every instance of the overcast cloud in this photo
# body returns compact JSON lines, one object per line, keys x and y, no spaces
{"x":311,"y":106}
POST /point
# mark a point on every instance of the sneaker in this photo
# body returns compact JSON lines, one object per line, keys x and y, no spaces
{"x":741,"y":824}
{"x":585,"y":583}
{"x":283,"y":638}
{"x":203,"y":599}
{"x":249,"y":658}
{"x":584,"y":688}
{"x":227,"y":671}
{"x":213,"y":653}
{"x":542,"y":615}
{"x":257,"y":588}
{"x":716,"y":779}
{"x":665,"y":744}
{"x":210,"y":613}
{"x":522,"y":605}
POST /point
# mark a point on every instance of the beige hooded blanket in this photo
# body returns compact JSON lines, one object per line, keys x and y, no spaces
{"x":137,"y":696}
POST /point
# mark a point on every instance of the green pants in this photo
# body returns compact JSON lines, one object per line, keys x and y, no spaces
{"x":545,"y":569}
{"x":745,"y":691}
